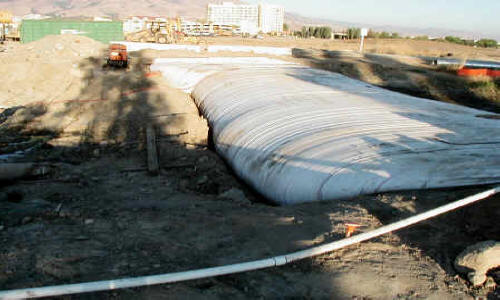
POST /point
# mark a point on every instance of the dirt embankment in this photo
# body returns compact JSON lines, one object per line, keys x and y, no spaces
{"x":98,"y":214}
{"x":409,"y":75}
{"x":375,"y":46}
{"x":46,"y":70}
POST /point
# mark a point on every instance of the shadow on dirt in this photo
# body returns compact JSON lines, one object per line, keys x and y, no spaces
{"x":97,"y":215}
{"x":447,"y":235}
{"x":95,"y":147}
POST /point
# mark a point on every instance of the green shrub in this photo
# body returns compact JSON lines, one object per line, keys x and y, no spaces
{"x":385,"y":35}
{"x":453,"y":39}
{"x":421,"y":38}
{"x":487,"y":43}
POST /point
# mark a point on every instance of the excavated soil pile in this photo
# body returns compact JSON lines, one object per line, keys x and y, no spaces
{"x":44,"y":70}
{"x":60,"y":92}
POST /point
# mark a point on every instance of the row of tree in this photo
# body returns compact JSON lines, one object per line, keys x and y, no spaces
{"x":382,"y":35}
{"x":485,"y":43}
{"x":322,"y":32}
{"x":325,"y":32}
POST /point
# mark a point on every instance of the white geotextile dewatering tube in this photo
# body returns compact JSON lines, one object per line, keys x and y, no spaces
{"x":181,"y":73}
{"x":297,"y":134}
{"x":136,"y":46}
{"x":240,"y":267}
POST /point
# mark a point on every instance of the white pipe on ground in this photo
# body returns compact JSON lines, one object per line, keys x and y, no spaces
{"x":241,"y":267}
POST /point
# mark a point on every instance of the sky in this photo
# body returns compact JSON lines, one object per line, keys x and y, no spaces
{"x":469,"y":15}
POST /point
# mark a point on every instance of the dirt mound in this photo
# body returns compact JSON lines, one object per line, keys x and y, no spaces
{"x":55,"y":48}
{"x":44,"y":70}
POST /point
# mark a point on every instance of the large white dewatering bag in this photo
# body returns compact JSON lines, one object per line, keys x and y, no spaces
{"x":298,"y":134}
{"x":136,"y":46}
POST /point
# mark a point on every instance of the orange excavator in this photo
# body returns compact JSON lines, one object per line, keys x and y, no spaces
{"x":117,"y":56}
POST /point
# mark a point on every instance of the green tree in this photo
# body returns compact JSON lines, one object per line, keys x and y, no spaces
{"x":304,"y":32}
{"x":286,"y":28}
{"x":353,"y":33}
{"x":421,"y":37}
{"x":373,"y":34}
{"x":310,"y":32}
{"x":469,"y":42}
{"x":395,"y":35}
{"x":323,"y":32}
{"x":317,"y":32}
{"x":453,"y":39}
{"x":385,"y":35}
{"x":487,"y":43}
{"x":327,"y":32}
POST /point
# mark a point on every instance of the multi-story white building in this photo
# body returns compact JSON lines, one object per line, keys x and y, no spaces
{"x":251,"y":18}
{"x":271,"y":18}
{"x":233,"y":14}
{"x":195,"y":28}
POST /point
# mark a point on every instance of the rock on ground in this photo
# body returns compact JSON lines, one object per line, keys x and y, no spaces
{"x":477,"y":259}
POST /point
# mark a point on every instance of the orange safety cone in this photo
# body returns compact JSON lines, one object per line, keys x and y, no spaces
{"x":350,"y":228}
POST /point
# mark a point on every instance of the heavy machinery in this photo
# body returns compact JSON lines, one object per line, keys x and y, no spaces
{"x":5,"y":20}
{"x":161,"y":32}
{"x":117,"y":56}
{"x":9,"y":30}
{"x":13,"y":34}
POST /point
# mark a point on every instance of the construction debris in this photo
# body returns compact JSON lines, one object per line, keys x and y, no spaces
{"x":476,"y":260}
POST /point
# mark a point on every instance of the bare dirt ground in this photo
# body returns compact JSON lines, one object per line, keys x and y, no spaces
{"x":375,"y":46}
{"x":98,"y":214}
{"x":409,"y":75}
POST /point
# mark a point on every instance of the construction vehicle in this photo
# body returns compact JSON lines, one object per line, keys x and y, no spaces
{"x":9,"y":30}
{"x":117,"y":56}
{"x":161,"y":32}
{"x":5,"y":20}
{"x":12,"y":34}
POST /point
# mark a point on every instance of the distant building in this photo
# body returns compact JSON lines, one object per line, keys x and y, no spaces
{"x":102,"y":19}
{"x":271,"y":18}
{"x":196,"y":28}
{"x":251,"y":18}
{"x":138,"y":23}
{"x":134,"y":24}
{"x":35,"y":17}
{"x":229,"y":13}
{"x":16,"y":20}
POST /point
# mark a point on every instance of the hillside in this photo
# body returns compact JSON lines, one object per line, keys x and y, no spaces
{"x":115,"y":8}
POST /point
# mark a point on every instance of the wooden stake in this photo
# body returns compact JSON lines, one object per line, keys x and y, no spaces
{"x":153,"y":165}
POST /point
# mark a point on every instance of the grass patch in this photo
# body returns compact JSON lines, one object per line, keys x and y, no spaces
{"x":489,"y":89}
